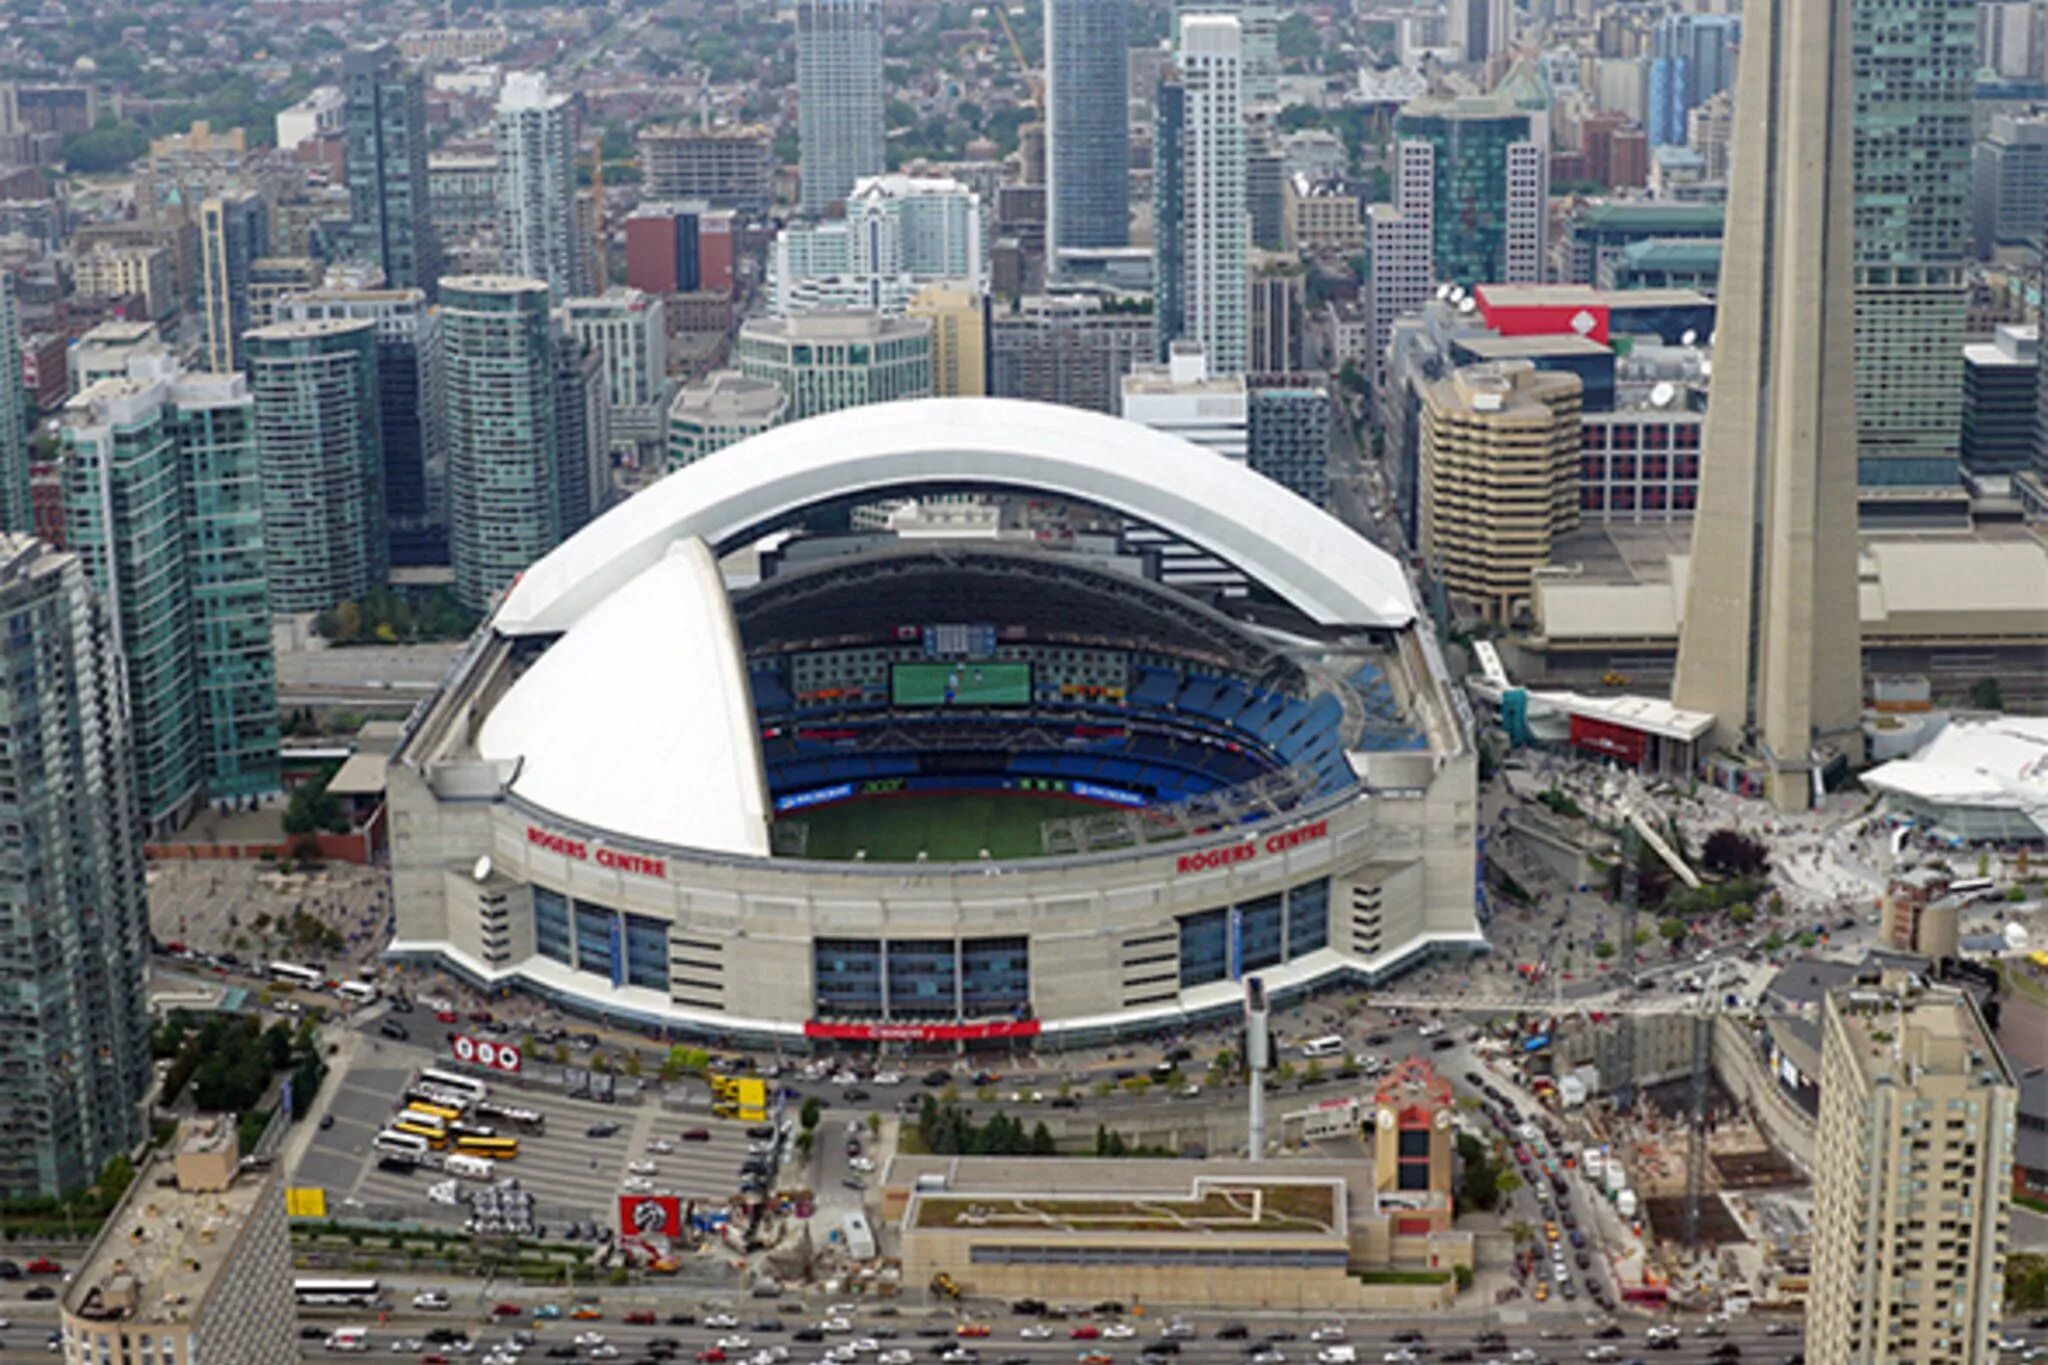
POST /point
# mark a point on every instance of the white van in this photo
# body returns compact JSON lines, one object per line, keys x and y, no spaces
{"x":355,"y":1340}
{"x":466,"y":1167}
{"x":1337,"y":1355}
{"x":1330,"y":1046}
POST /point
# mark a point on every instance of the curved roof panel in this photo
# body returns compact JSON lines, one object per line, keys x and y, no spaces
{"x":640,"y":720}
{"x":1299,"y":552}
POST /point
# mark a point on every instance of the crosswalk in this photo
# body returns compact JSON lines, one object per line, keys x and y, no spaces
{"x":573,"y":1177}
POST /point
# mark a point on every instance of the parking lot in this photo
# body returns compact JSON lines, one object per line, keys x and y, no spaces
{"x":575,"y":1178}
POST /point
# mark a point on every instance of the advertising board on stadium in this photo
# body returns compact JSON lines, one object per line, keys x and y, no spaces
{"x":922,"y":1033}
{"x":1209,"y":859}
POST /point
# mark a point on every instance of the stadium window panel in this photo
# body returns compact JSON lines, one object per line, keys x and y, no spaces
{"x":1204,"y":947}
{"x":1261,"y":926}
{"x":551,"y":926}
{"x":647,"y":952}
{"x":847,"y":976}
{"x":594,"y":926}
{"x":1308,"y":918}
{"x":922,"y":983}
{"x":995,"y":976}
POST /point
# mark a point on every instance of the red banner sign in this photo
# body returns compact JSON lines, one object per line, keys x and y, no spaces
{"x":1209,"y":859}
{"x":650,"y":1215}
{"x":921,"y":1033}
{"x":484,"y":1052}
{"x":638,"y":864}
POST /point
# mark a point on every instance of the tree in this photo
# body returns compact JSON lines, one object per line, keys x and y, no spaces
{"x":1672,"y":929}
{"x":1603,"y":949}
{"x":1986,"y":694}
{"x":809,"y":1115}
{"x":1741,"y":913}
{"x":1730,"y":852}
{"x":1520,"y":1233}
{"x":1506,"y":1182}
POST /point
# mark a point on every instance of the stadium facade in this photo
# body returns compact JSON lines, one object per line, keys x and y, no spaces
{"x":604,"y":803}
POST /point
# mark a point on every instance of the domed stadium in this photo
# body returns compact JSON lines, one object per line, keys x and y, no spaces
{"x":713,"y":771}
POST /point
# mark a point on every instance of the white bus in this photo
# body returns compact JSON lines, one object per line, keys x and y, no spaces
{"x":1970,"y":886}
{"x":350,"y":1292}
{"x":358,"y":992}
{"x":1332,"y":1045}
{"x":450,"y":1080}
{"x":292,"y":974}
{"x":391,"y":1140}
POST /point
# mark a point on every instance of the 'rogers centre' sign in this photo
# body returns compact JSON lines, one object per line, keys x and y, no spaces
{"x":1209,"y":859}
{"x":637,"y":864}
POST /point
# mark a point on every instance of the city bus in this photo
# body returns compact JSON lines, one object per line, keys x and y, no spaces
{"x":391,"y":1140}
{"x":336,"y":1293}
{"x":435,"y":1095}
{"x":498,"y":1148}
{"x":292,"y":974}
{"x":358,"y":992}
{"x":1329,"y":1046}
{"x":525,"y":1120}
{"x":434,"y":1134}
{"x":455,"y":1081}
{"x":459,"y":1131}
{"x":440,"y":1113}
{"x":1969,"y":886}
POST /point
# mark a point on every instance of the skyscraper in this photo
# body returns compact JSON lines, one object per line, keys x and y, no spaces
{"x":16,"y":509}
{"x":319,"y":437}
{"x":124,"y":518}
{"x":1772,"y":641}
{"x":213,"y":422}
{"x":412,"y":406}
{"x":839,"y":98}
{"x":1215,"y":232}
{"x":628,"y":331}
{"x":1488,"y":185}
{"x":390,"y":203}
{"x":582,"y":433}
{"x":1400,"y":244}
{"x":1169,"y":212}
{"x":1692,"y":59}
{"x":537,"y":236}
{"x":73,"y":914}
{"x":899,"y":232}
{"x":1087,"y":115}
{"x":1915,"y":70}
{"x":1912,"y":1186}
{"x":234,"y":230}
{"x":503,"y":485}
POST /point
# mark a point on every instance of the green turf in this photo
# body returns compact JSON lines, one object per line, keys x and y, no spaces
{"x":947,"y":828}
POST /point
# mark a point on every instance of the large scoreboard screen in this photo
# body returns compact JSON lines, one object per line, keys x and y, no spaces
{"x":966,"y":683}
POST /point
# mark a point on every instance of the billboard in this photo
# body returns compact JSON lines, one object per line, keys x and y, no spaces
{"x":922,"y":1033}
{"x":484,"y":1052}
{"x":650,"y":1215}
{"x":964,"y":683}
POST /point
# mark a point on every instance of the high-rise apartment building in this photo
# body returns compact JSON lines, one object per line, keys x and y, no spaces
{"x":194,"y":1264}
{"x":627,"y":330}
{"x":319,"y":434}
{"x":1479,"y":30}
{"x":1087,"y":117}
{"x":1169,"y":210}
{"x":1489,"y":189}
{"x":721,"y":409}
{"x":17,"y":512}
{"x":1070,"y":349}
{"x":729,"y":166}
{"x":959,"y":319}
{"x":583,"y":439}
{"x":1215,"y":233}
{"x":828,"y":361}
{"x":73,"y":911}
{"x":537,"y":236}
{"x":2001,"y":397}
{"x":1289,"y":428}
{"x":412,"y":410}
{"x":1499,"y":480}
{"x":234,"y":230}
{"x":498,"y":370}
{"x":1258,"y":23}
{"x":899,"y":232}
{"x":213,"y":422}
{"x":1912,"y":1184}
{"x":839,"y":98}
{"x":1279,"y":303}
{"x":124,"y":518}
{"x":1772,"y":644}
{"x":2009,"y":191}
{"x":1914,"y":70}
{"x":389,"y":194}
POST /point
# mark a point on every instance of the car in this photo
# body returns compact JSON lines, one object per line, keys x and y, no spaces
{"x":590,"y":1338}
{"x":1095,"y":1358}
{"x":1727,"y":1350}
{"x":604,"y":1129}
{"x":391,"y":1028}
{"x":1328,"y":1331}
{"x":447,"y":1017}
{"x":1037,"y":1331}
{"x":954,"y":1355}
{"x":640,"y":1317}
{"x":734,"y":1342}
{"x":711,"y":1355}
{"x":853,"y":1094}
{"x":506,"y":1310}
{"x":1166,"y":1346}
{"x":547,"y":1312}
{"x":1268,"y":1356}
{"x":43,"y":1265}
{"x":1786,"y":1329}
{"x":971,"y":1329}
{"x":895,"y":1356}
{"x":1119,"y":1331}
{"x":1340,"y":1354}
{"x":937,"y":1077}
{"x":40,"y":1293}
{"x":721,"y":1320}
{"x":1233,"y":1331}
{"x":696,"y":1135}
{"x":1606,"y":1350}
{"x":1086,"y":1331}
{"x":660,"y":1146}
{"x":563,"y":1352}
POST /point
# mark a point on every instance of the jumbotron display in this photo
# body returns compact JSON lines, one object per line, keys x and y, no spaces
{"x":974,"y":792}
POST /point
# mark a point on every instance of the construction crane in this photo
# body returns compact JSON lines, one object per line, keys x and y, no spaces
{"x":1031,"y":80}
